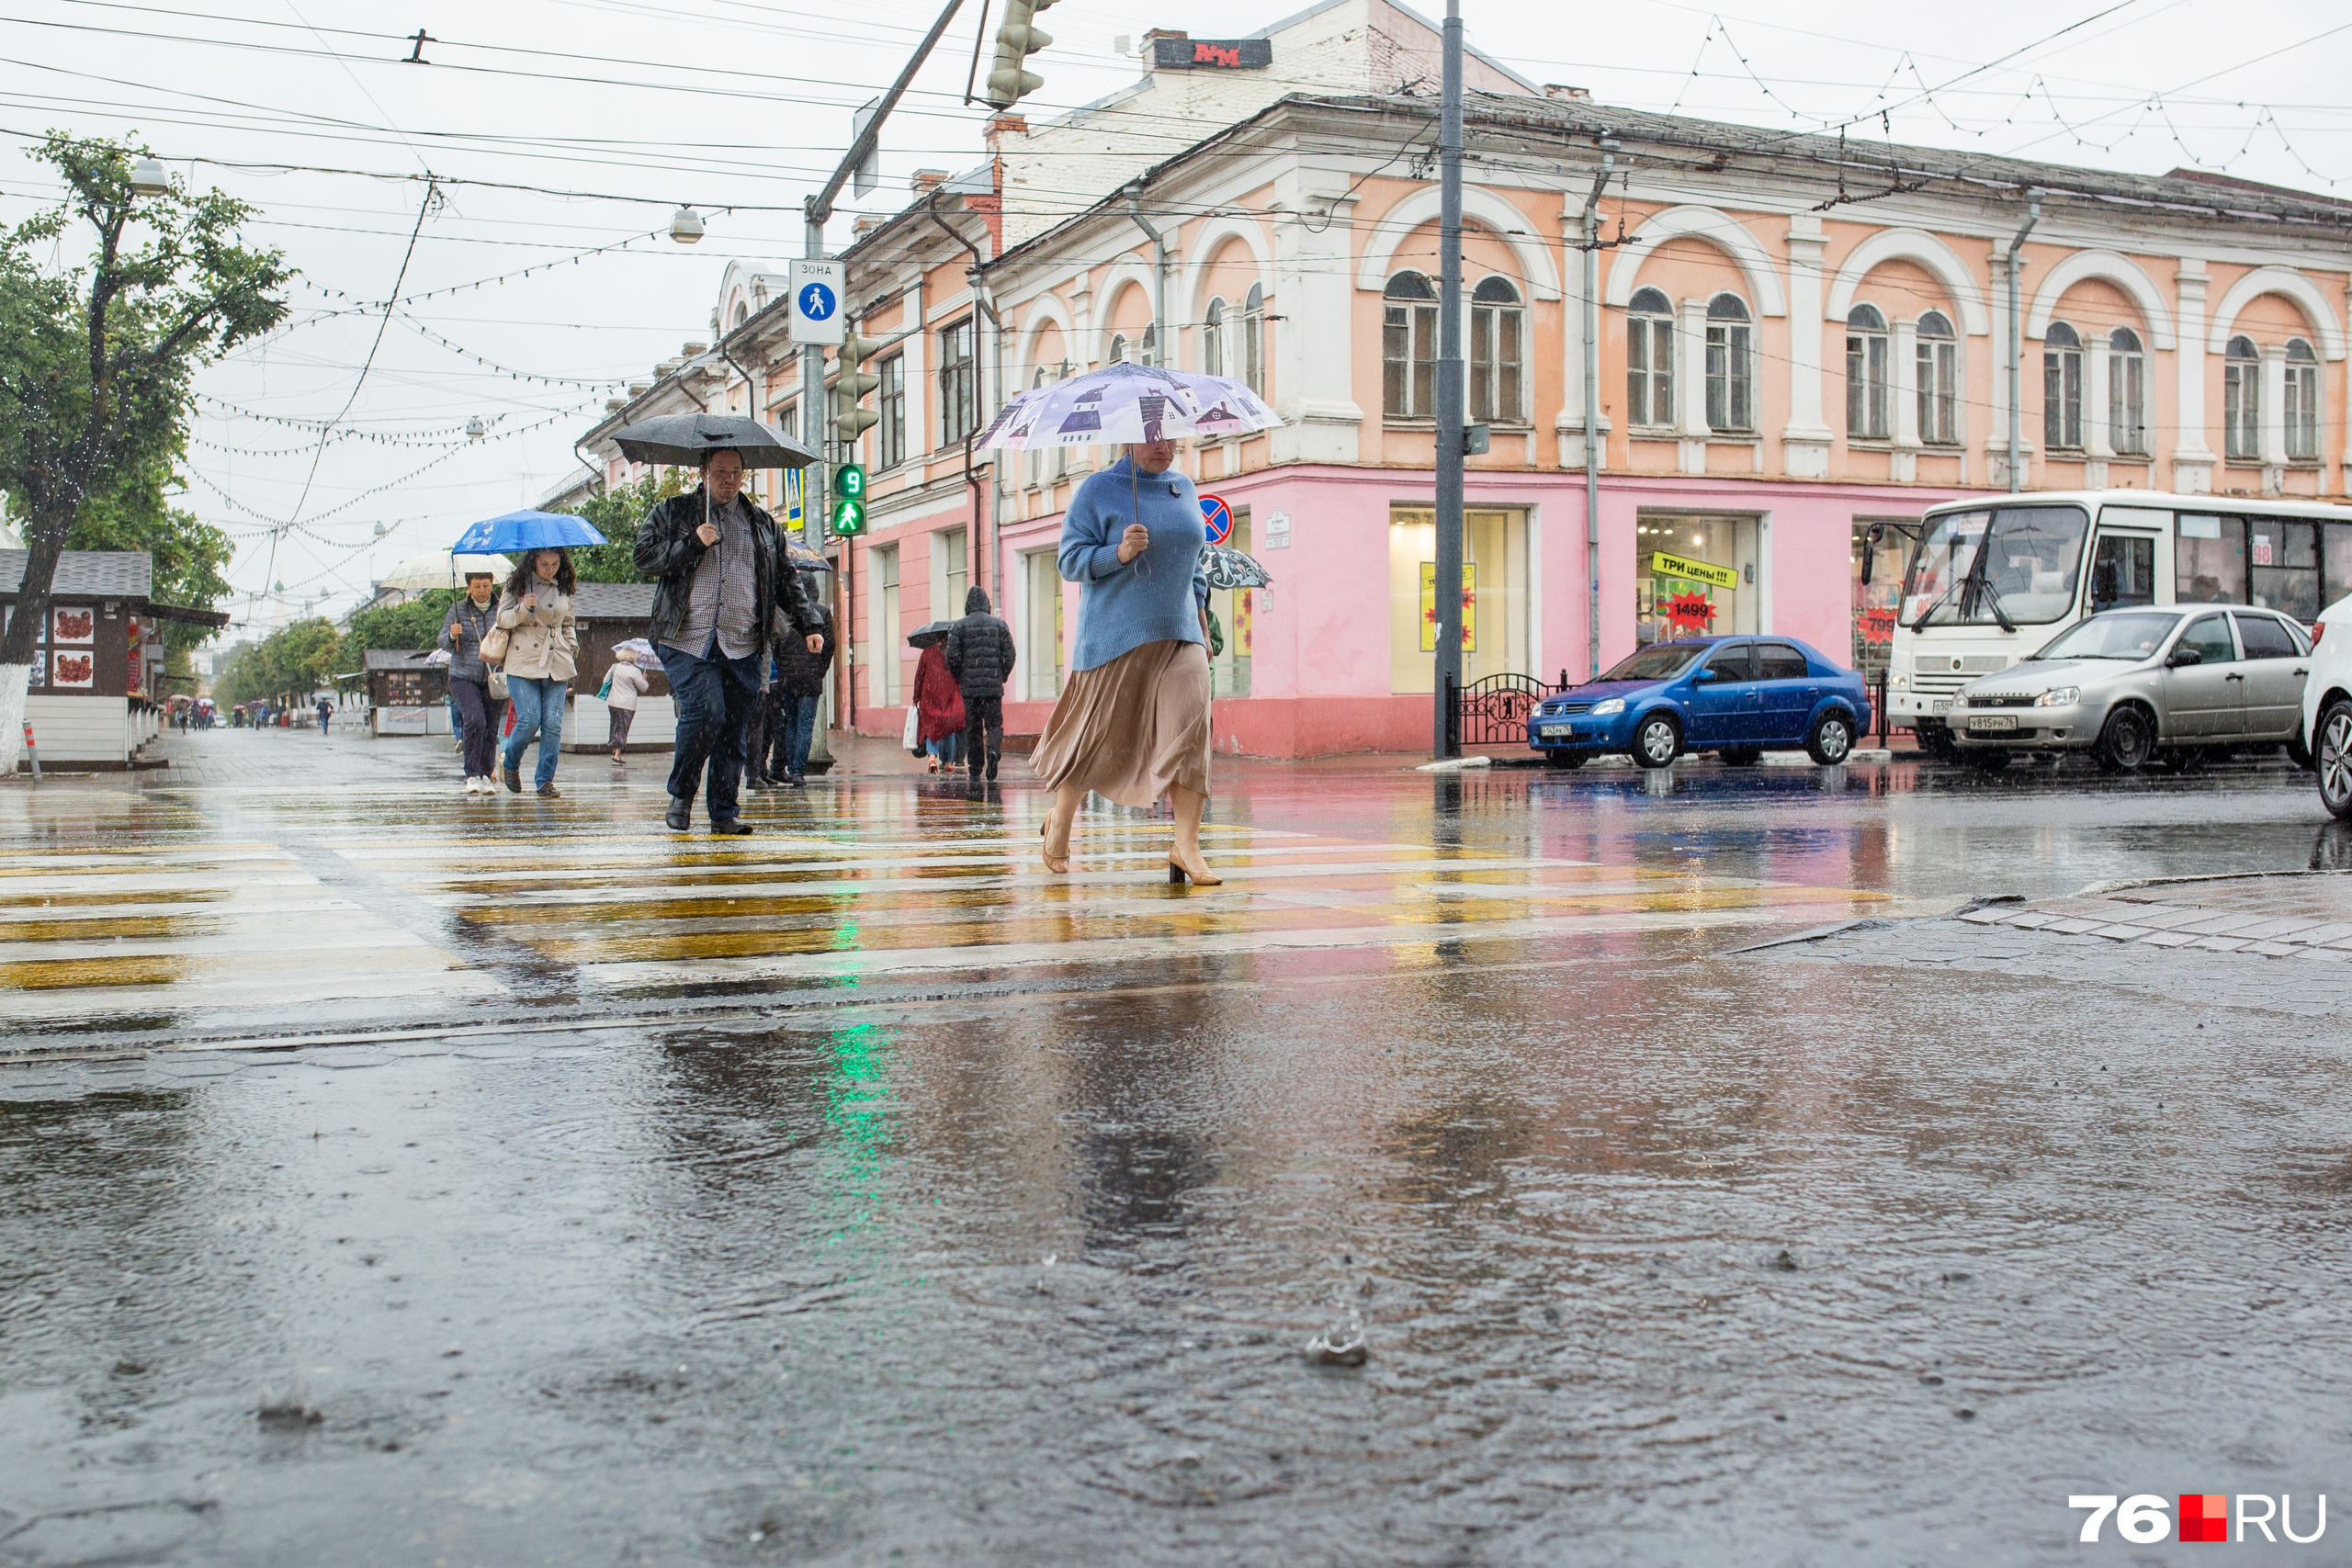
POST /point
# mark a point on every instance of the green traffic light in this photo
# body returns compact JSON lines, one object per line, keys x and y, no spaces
{"x":850,"y":517}
{"x":849,"y":482}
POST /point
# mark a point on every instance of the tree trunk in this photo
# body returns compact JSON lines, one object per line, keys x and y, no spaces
{"x":45,"y":540}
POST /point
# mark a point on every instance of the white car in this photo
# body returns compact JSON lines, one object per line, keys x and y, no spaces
{"x":2327,"y":708}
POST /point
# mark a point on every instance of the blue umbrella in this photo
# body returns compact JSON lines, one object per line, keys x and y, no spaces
{"x":527,"y":531}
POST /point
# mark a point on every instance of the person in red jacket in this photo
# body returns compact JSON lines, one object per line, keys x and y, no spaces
{"x":940,"y":705}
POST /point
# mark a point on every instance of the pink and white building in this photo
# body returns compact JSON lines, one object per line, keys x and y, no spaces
{"x":1795,"y":341}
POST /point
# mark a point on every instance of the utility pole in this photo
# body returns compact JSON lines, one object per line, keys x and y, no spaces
{"x":1450,"y":435}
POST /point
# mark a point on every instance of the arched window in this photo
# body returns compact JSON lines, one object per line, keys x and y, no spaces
{"x":1866,"y":351}
{"x":1148,"y":352}
{"x":1409,"y":348}
{"x":1731,"y":357}
{"x":2303,"y":403}
{"x":1037,"y":454}
{"x":1253,"y":338}
{"x":742,"y":312}
{"x":2062,"y":388}
{"x":1936,"y":364}
{"x":1649,"y":358}
{"x":1213,"y":338}
{"x":1118,"y":349}
{"x":2127,"y":393}
{"x":1497,"y":353}
{"x":2242,"y":401}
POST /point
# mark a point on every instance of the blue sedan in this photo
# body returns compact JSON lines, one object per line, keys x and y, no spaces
{"x":1736,"y":696}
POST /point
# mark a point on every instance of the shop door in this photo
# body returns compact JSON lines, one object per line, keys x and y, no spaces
{"x":1694,"y":577}
{"x":1493,"y":590}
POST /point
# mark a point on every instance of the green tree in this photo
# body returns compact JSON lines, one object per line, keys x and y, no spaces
{"x":616,"y":514}
{"x":285,"y":667}
{"x":95,"y":359}
{"x":134,"y":514}
{"x":414,"y":625}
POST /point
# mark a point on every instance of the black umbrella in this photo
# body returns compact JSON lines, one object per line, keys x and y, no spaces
{"x":688,"y":438}
{"x":925,"y":635}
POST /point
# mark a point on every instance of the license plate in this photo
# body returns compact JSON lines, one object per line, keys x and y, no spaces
{"x":1991,"y":723}
{"x":1941,"y":705}
{"x":1557,"y":731}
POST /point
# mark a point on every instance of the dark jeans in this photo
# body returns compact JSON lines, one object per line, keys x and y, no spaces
{"x":714,"y":697}
{"x":983,"y":713}
{"x":798,"y":731}
{"x":479,"y":716}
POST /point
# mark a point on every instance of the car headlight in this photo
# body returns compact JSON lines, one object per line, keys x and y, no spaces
{"x":2059,"y":698}
{"x":1607,"y":706}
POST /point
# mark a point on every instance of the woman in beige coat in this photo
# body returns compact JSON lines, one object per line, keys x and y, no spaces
{"x":542,"y":654}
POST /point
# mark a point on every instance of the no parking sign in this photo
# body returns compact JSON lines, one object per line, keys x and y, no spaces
{"x":1217,"y":519}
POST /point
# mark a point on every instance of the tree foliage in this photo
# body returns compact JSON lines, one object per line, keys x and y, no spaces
{"x":616,"y":514}
{"x":414,"y":625}
{"x":133,"y":513}
{"x":95,"y":359}
{"x":285,"y":667}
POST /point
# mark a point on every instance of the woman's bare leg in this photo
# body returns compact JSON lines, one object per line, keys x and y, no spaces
{"x":1188,"y":805}
{"x":1067,"y":798}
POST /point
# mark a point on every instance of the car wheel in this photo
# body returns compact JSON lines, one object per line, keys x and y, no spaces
{"x":2125,"y":742}
{"x":1658,"y":741}
{"x":1832,"y":740}
{"x":1990,"y":761}
{"x":1564,"y":759}
{"x":1741,"y":756}
{"x":2334,"y":759}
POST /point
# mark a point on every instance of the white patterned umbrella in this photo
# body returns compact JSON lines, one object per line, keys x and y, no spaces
{"x":1125,"y":403}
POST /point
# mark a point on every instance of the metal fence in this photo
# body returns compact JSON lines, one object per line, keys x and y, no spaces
{"x":1492,"y":711}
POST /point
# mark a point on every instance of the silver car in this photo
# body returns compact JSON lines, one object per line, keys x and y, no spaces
{"x":2127,"y":685}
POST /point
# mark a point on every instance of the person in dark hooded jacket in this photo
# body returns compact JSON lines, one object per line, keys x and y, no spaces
{"x":979,"y":655}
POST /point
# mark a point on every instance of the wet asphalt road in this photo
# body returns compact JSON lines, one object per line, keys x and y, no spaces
{"x":879,"y":1251}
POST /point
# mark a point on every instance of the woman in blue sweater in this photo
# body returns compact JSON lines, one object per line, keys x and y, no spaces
{"x":1133,"y":723}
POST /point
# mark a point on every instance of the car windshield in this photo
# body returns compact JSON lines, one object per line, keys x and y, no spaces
{"x":2022,"y":559}
{"x":1660,"y":661}
{"x":2134,"y":636}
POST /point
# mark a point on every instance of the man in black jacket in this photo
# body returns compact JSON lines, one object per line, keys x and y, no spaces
{"x":723,"y":579}
{"x":798,"y":694}
{"x":979,"y":655}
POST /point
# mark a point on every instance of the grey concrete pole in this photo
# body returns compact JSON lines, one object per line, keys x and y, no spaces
{"x":1449,"y":389}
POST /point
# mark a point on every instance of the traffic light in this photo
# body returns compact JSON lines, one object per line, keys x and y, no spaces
{"x":1016,"y":41}
{"x":848,"y":516}
{"x":851,"y":383}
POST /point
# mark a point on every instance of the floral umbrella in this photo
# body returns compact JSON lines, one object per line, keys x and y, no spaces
{"x":1125,"y":402}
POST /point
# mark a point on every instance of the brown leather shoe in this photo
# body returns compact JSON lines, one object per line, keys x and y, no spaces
{"x":551,"y":792}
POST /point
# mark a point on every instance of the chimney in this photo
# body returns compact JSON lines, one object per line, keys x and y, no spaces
{"x":925,"y":181}
{"x":1003,"y":125}
{"x":1160,"y":33}
{"x":692,"y":349}
{"x":864,"y":226}
{"x":1575,"y":94}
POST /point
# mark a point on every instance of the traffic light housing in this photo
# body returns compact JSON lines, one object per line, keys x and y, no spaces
{"x":851,"y":383}
{"x":1009,"y":82}
{"x":849,"y":517}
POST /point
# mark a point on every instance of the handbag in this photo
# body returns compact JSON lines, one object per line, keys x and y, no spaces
{"x":906,"y":736}
{"x":493,"y":646}
{"x":497,"y":684}
{"x":604,"y":691}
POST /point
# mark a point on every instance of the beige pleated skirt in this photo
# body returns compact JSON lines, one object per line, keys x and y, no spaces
{"x":1131,"y":728}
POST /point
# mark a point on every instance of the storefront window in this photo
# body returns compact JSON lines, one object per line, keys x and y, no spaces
{"x":1233,"y":607}
{"x":1693,"y":577}
{"x":1885,"y":545}
{"x":1493,"y":596}
{"x":1041,"y":625}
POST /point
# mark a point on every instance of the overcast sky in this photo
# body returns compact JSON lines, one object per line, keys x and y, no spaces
{"x":617,"y":110}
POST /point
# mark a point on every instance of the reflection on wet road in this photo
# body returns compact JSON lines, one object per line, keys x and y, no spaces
{"x":1006,"y":1252}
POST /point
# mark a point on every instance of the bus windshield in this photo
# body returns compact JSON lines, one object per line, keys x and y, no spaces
{"x":1991,"y":564}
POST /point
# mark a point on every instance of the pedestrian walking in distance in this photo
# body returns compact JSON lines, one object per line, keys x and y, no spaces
{"x":472,"y":618}
{"x":939,"y":709}
{"x":799,"y":693}
{"x":542,"y":655}
{"x":722,"y":580}
{"x":1133,"y":723}
{"x":326,"y":717}
{"x":624,"y":683}
{"x":978,"y":652}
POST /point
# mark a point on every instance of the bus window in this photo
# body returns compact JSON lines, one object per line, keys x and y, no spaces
{"x":2209,"y":561}
{"x":2123,"y":572}
{"x":2018,"y":564}
{"x":2283,"y":566}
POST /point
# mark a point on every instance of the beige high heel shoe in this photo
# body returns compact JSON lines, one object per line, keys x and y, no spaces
{"x":1179,"y":874}
{"x":1058,"y":868}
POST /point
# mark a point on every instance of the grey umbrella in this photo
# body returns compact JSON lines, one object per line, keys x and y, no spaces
{"x":933,"y":632}
{"x":1228,"y":568}
{"x":688,"y":438}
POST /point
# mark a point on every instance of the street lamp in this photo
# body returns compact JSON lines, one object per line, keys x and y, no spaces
{"x":685,"y":226}
{"x":476,"y":429}
{"x":147,"y":177}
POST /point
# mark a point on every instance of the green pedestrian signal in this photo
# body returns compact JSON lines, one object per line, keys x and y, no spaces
{"x":848,"y":516}
{"x":849,"y":482}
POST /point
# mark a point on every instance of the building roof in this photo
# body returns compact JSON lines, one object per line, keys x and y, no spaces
{"x":398,"y":659}
{"x":612,"y":601}
{"x":87,"y":574}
